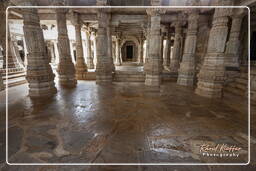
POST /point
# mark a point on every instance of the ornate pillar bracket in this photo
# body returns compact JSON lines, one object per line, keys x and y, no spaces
{"x":187,"y":67}
{"x":81,"y":67}
{"x":66,"y":69}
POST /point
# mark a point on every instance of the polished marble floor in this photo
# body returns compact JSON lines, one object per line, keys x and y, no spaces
{"x":122,"y":123}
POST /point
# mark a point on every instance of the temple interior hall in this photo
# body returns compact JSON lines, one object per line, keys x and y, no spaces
{"x":116,"y":81}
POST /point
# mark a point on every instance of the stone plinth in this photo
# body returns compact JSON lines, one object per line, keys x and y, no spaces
{"x":66,"y":68}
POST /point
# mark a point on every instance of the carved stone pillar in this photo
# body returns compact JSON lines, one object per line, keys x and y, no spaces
{"x":66,"y":68}
{"x":154,"y":66}
{"x":1,"y":83}
{"x":175,"y":61}
{"x":233,"y":44}
{"x":39,"y":73}
{"x":167,"y":51}
{"x":94,"y":49}
{"x":104,"y":63}
{"x":89,"y":56}
{"x":109,"y":36}
{"x":80,"y":66}
{"x":140,"y":60}
{"x":187,"y":66}
{"x":118,"y":60}
{"x":147,"y":43}
{"x":211,"y":76}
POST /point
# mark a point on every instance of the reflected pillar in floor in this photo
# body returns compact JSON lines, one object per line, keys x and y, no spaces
{"x":187,"y":66}
{"x":104,"y":63}
{"x":211,"y":76}
{"x":154,"y":66}
{"x":81,"y":68}
{"x":39,"y":72}
{"x":66,"y":68}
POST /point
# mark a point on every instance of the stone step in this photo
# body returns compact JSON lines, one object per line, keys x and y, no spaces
{"x":16,"y":81}
{"x":241,"y":81}
{"x":235,"y":91}
{"x":129,"y":76}
{"x":15,"y":75}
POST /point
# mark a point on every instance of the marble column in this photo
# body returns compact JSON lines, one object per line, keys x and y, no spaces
{"x":187,"y":67}
{"x":66,"y":68}
{"x":80,"y":66}
{"x":118,"y":60}
{"x":175,"y":61}
{"x":1,"y":82}
{"x":154,"y":66}
{"x":39,"y":72}
{"x":94,"y":49}
{"x":104,"y":64}
{"x":211,"y":76}
{"x":233,"y":44}
{"x":140,"y":61}
{"x":89,"y":56}
{"x":167,"y":51}
{"x":109,"y":36}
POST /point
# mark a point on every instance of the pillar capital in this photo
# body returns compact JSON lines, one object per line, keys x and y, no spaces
{"x":155,"y":11}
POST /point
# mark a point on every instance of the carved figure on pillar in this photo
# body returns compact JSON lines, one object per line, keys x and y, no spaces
{"x":89,"y":56}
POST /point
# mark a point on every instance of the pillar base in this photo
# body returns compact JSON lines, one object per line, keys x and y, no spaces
{"x":185,"y":81}
{"x":153,"y":80}
{"x":210,"y":90}
{"x":45,"y":89}
{"x":67,"y":81}
{"x":103,"y":79}
{"x":90,"y":64}
{"x":81,"y":76}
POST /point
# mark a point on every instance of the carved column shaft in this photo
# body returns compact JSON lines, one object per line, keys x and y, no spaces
{"x":109,"y":36}
{"x":66,"y":68}
{"x":211,"y":75}
{"x":104,"y":63}
{"x":39,"y":73}
{"x":141,"y":51}
{"x":187,"y":67}
{"x":118,"y":61}
{"x":89,"y":56}
{"x":233,"y":44}
{"x":154,"y":66}
{"x":81,"y":67}
{"x":175,"y":61}
{"x":167,"y":51}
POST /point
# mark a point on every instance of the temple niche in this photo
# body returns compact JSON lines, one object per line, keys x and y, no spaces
{"x":109,"y":85}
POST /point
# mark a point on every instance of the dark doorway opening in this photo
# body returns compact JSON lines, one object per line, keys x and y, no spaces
{"x":129,"y":52}
{"x":253,"y":46}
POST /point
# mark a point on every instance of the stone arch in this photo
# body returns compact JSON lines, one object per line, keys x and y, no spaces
{"x":130,"y":41}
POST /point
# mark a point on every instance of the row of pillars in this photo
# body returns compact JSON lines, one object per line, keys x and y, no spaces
{"x":211,"y":76}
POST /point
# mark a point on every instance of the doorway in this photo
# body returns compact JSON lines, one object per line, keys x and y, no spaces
{"x":129,"y":52}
